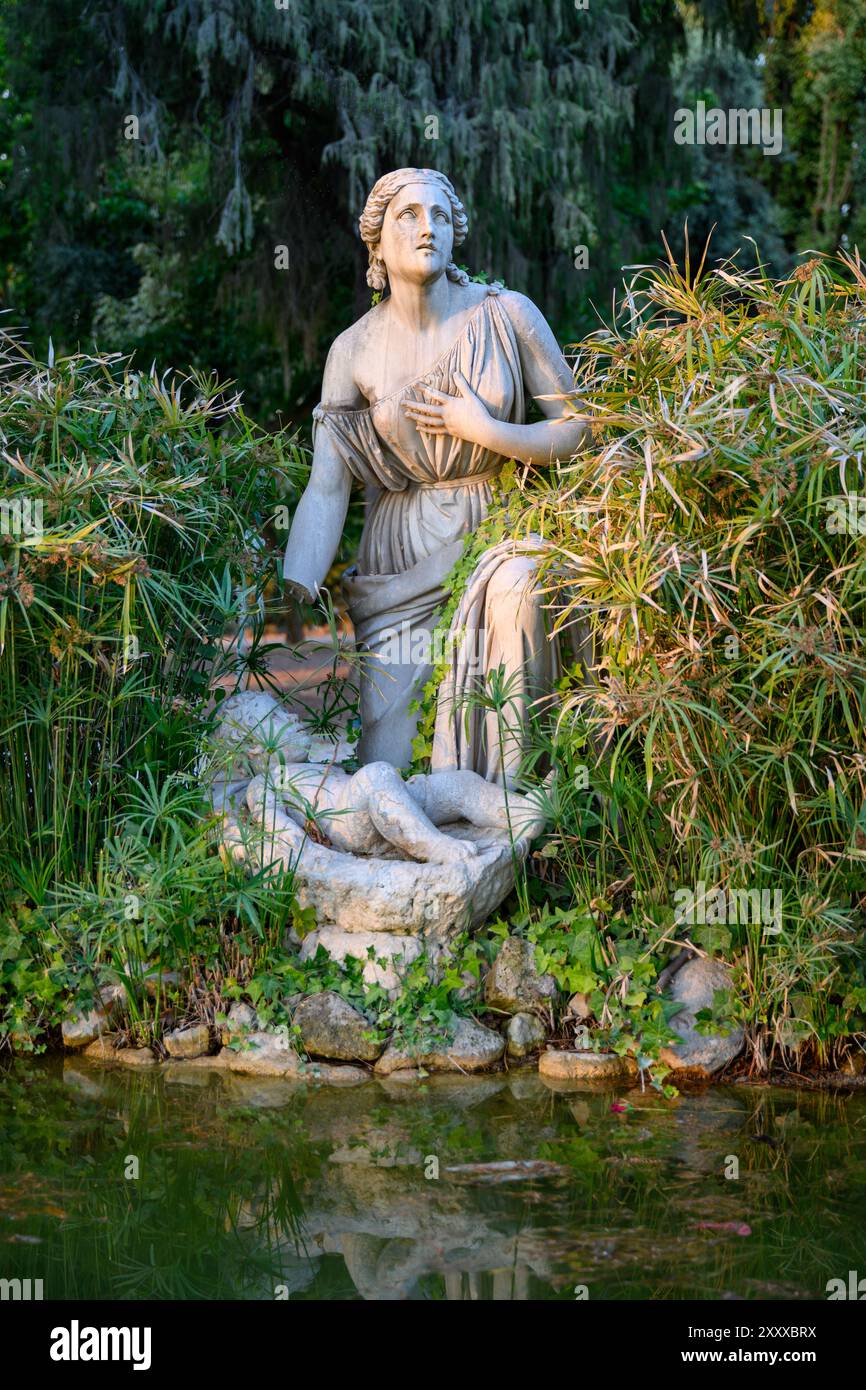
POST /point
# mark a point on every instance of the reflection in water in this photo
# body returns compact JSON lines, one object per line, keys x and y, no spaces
{"x":454,"y":1188}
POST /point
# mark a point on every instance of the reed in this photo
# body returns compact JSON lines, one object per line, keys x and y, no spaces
{"x":137,"y":512}
{"x":714,"y":533}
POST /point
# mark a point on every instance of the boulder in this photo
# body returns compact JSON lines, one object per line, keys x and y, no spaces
{"x":82,"y":1029}
{"x":271,"y":1054}
{"x":103,"y":1049}
{"x":566,"y":1070}
{"x":392,"y":953}
{"x":578,"y":1008}
{"x":265,"y":1054}
{"x":241,"y":1019}
{"x":162,"y":982}
{"x":113,"y":997}
{"x":188,"y":1042}
{"x":472,"y":1047}
{"x":513,"y":983}
{"x":135,"y":1057}
{"x":693,"y":987}
{"x":525,"y":1033}
{"x":324,"y":1074}
{"x":331,"y":1027}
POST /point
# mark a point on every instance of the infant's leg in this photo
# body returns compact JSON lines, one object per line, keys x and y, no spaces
{"x":399,"y":818}
{"x":450,"y":796}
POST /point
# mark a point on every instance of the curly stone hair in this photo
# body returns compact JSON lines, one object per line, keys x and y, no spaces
{"x":374,"y":214}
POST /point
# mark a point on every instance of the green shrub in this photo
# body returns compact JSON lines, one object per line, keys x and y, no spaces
{"x":714,"y":531}
{"x":134,"y":518}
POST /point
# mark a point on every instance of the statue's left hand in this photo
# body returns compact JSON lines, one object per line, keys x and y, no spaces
{"x":463,"y":417}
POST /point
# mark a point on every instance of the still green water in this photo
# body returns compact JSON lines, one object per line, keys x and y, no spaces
{"x":255,"y":1189}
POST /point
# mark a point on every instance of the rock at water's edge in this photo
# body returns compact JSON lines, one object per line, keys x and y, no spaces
{"x":331,"y":1027}
{"x":525,"y":1033}
{"x":83,"y":1029}
{"x":188,"y":1042}
{"x":513,"y":983}
{"x":575,"y":1069}
{"x":472,"y":1048}
{"x":241,"y":1018}
{"x":693,"y":986}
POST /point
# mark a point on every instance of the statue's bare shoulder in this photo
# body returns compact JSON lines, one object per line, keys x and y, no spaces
{"x":344,"y":382}
{"x":339,"y":383}
{"x":527,"y":320}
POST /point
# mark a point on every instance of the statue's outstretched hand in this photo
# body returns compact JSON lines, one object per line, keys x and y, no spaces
{"x":463,"y":417}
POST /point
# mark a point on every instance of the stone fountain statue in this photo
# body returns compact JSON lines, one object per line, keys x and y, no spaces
{"x":423,"y":401}
{"x":393,"y":865}
{"x":370,"y":812}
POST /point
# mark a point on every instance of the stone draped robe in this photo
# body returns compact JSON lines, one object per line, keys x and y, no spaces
{"x":425,"y":493}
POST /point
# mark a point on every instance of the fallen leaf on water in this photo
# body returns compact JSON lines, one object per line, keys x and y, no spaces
{"x":734,"y":1228}
{"x":506,"y":1170}
{"x":637,"y":1159}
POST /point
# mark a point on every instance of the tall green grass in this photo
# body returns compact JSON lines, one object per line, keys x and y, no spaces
{"x":714,"y":532}
{"x":136,"y":516}
{"x":155,"y":496}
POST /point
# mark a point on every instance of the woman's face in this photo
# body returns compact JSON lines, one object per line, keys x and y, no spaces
{"x":417,"y":233}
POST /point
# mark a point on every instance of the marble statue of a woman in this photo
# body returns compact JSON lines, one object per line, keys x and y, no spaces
{"x":423,"y":401}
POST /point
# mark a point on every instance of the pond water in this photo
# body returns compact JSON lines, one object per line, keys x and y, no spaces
{"x":258,"y":1189}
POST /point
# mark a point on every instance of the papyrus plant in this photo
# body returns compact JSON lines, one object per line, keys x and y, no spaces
{"x":154,"y":501}
{"x":715,"y":532}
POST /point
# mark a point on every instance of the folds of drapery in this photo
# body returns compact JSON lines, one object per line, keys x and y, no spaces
{"x":500,"y":643}
{"x":503,"y":661}
{"x":419,"y":511}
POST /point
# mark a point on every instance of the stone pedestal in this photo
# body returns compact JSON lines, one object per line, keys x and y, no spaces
{"x":396,"y":906}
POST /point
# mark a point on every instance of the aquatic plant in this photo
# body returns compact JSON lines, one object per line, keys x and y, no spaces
{"x":135,"y":515}
{"x":134,"y":512}
{"x":713,"y":532}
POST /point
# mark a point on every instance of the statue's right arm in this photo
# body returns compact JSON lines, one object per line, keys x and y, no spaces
{"x":321,"y":513}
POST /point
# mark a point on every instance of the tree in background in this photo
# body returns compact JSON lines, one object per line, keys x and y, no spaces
{"x":816,"y":70}
{"x":720,"y":190}
{"x":173,"y":158}
{"x":183,"y":177}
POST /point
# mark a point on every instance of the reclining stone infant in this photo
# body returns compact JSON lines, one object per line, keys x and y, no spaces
{"x":363,"y":812}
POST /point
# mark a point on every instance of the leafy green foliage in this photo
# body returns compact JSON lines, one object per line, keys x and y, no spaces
{"x":36,"y":976}
{"x":262,"y":127}
{"x":709,"y":534}
{"x":419,"y":1017}
{"x":137,"y":513}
